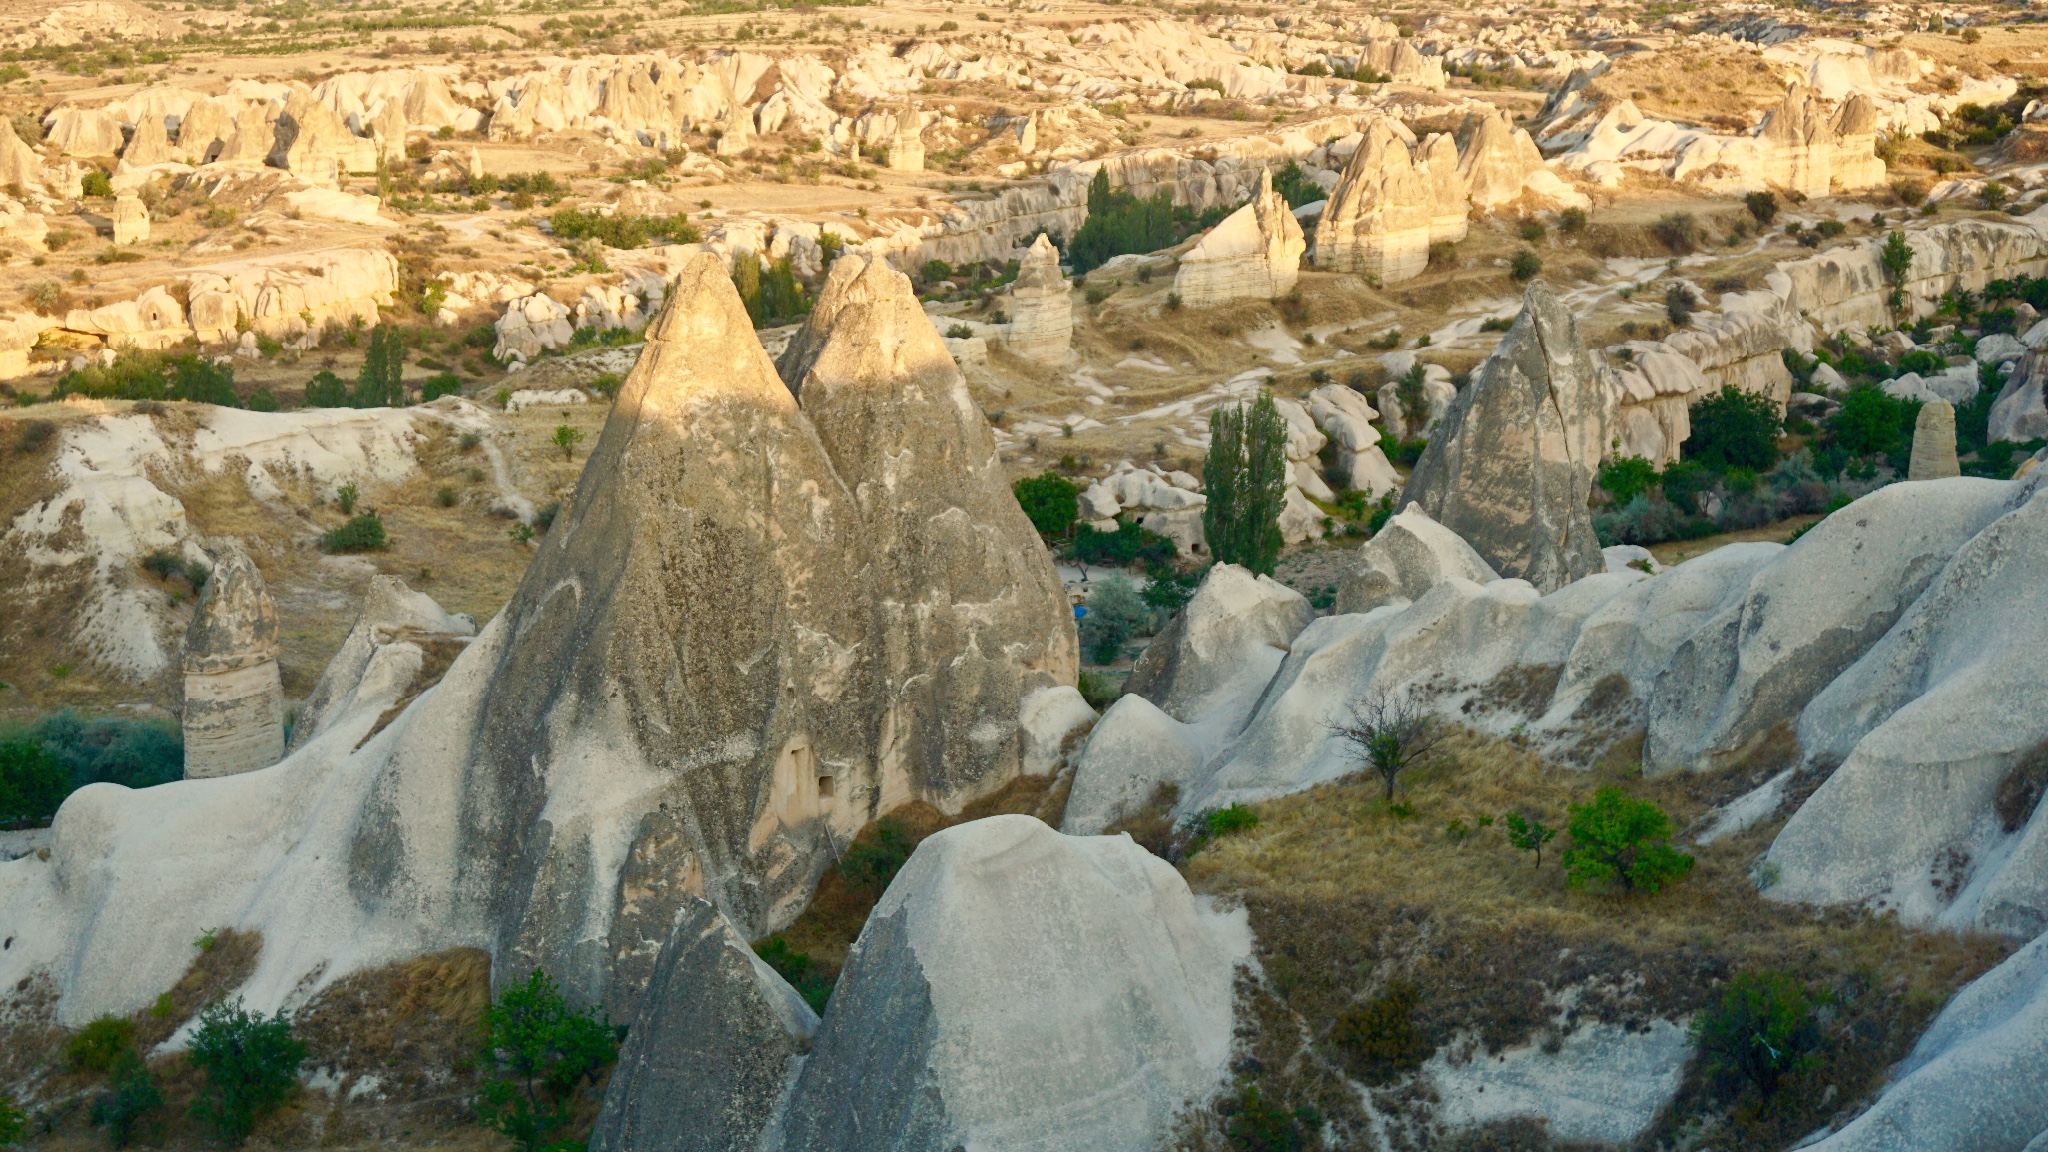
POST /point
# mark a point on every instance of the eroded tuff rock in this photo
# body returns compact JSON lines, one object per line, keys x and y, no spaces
{"x":1041,"y":311}
{"x":2020,"y":413}
{"x":710,"y":1054}
{"x":1496,"y":159}
{"x":687,"y":696}
{"x":962,"y":629}
{"x":1934,"y":443}
{"x":1017,"y":988}
{"x":1254,"y":254}
{"x":1391,"y":203}
{"x":1512,"y":467}
{"x":1407,"y":557}
{"x":234,"y":702}
{"x":1345,"y":416}
{"x":398,"y":634}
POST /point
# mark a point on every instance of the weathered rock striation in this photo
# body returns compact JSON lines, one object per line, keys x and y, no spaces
{"x":1934,"y":443}
{"x":1041,"y":308}
{"x":234,"y":702}
{"x":1512,"y":467}
{"x":1496,"y":159}
{"x":1407,"y":557}
{"x":1254,"y":254}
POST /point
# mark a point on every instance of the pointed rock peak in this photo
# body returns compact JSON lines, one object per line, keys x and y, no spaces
{"x":1042,"y":252}
{"x":1265,"y":183}
{"x":236,"y":624}
{"x":701,"y":344}
{"x":867,"y":328}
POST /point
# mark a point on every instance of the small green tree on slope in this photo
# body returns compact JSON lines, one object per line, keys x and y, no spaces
{"x":1245,"y":480}
{"x":1625,"y":840}
{"x":537,"y":1048}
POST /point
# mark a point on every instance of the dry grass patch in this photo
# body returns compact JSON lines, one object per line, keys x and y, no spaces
{"x":1428,"y":903}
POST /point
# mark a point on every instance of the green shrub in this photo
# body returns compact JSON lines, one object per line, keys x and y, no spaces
{"x":33,"y":783}
{"x":129,"y":1107}
{"x":380,"y":382}
{"x":1253,"y":1125}
{"x":1524,"y":265}
{"x":1870,"y":422}
{"x":566,"y":438}
{"x":1624,"y":840}
{"x":1627,"y":477}
{"x":1129,"y":544}
{"x":797,"y":968}
{"x":537,"y":1049}
{"x":364,"y":533}
{"x":1119,"y":222}
{"x":198,"y":379}
{"x":251,"y":1066}
{"x":326,"y":390}
{"x":622,"y":230}
{"x":1294,"y":185}
{"x":112,"y":749}
{"x":1763,"y":206}
{"x":263,"y":399}
{"x":446,"y":496}
{"x":99,"y":1043}
{"x":345,"y":497}
{"x":1572,"y":219}
{"x":1678,"y":305}
{"x":1678,"y":231}
{"x":1762,"y":1027}
{"x":436,"y":386}
{"x":1050,"y":501}
{"x":1245,"y":480}
{"x":1528,"y":835}
{"x":13,"y":1122}
{"x":1115,"y":614}
{"x":1922,"y":362}
{"x":1224,"y":821}
{"x":96,"y":184}
{"x":1734,"y":429}
{"x":1168,"y":589}
{"x":874,"y":858}
{"x":771,"y":293}
{"x":1379,"y":1039}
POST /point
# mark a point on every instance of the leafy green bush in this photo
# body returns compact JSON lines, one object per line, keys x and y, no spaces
{"x":13,"y":1122}
{"x":1051,"y":501}
{"x":1119,"y":222}
{"x":1129,"y":544}
{"x":251,"y":1066}
{"x":96,"y":184}
{"x":1870,"y":422}
{"x":263,"y":399}
{"x":1763,"y":206}
{"x":1627,"y":477}
{"x":1253,"y":1125}
{"x":33,"y":784}
{"x":1524,"y":265}
{"x":326,"y":390}
{"x":622,"y":230}
{"x":1379,"y":1039}
{"x":1624,"y":840}
{"x":364,"y":533}
{"x":112,"y":749}
{"x":99,"y":1043}
{"x":1650,"y":519}
{"x":1734,"y":429}
{"x":1762,"y":1027}
{"x":128,"y":1109}
{"x":1224,"y":821}
{"x":874,"y":858}
{"x":1921,"y":362}
{"x":797,"y":968}
{"x":537,"y":1049}
{"x":1245,"y":481}
{"x":1295,"y":187}
{"x":1528,"y":835}
{"x":1168,"y":589}
{"x":1685,"y":482}
{"x":200,"y":380}
{"x":436,"y":386}
{"x":1115,"y":614}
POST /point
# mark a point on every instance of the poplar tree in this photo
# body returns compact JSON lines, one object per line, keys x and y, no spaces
{"x":1245,"y":480}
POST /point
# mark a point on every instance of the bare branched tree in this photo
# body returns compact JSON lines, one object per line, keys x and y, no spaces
{"x":1388,"y":734}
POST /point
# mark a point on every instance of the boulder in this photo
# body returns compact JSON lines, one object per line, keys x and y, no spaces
{"x":1016,"y":988}
{"x":76,"y":131}
{"x":1934,"y":443}
{"x":2020,"y":413}
{"x":316,"y":145}
{"x":250,"y":145}
{"x":1805,"y":616}
{"x":1221,"y":648}
{"x":234,"y":702}
{"x":205,"y":129}
{"x":1132,"y":750}
{"x":1254,"y":254}
{"x":1513,"y":466}
{"x":968,"y":611}
{"x":711,"y":1052}
{"x":1041,"y":309}
{"x":531,"y":326}
{"x":1936,"y":728}
{"x":1409,"y":555}
{"x":1346,"y":416}
{"x":1998,"y":348}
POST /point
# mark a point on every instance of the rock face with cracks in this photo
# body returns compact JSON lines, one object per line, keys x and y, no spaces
{"x":1254,"y":254}
{"x":711,"y":1051}
{"x":689,"y":695}
{"x":1512,"y":466}
{"x":1017,"y":988}
{"x":234,"y":702}
{"x":1406,"y":558}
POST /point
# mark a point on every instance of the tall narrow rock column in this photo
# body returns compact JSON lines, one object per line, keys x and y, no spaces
{"x":1041,"y":312}
{"x":1934,"y":443}
{"x":234,"y":701}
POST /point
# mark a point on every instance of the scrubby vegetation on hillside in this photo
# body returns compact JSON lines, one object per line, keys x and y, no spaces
{"x":44,"y":761}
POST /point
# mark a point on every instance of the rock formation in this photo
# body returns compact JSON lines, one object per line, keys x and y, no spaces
{"x":1934,"y":443}
{"x":1436,"y":394}
{"x":150,"y":144}
{"x":1346,"y":417}
{"x":1388,"y":207}
{"x":701,"y":688}
{"x":1496,"y":159}
{"x":1512,"y":467}
{"x":254,"y":137}
{"x":531,"y":326}
{"x":967,"y":619}
{"x":234,"y":701}
{"x":1407,"y":557}
{"x":1254,"y":254}
{"x":288,"y":297}
{"x":131,"y":219}
{"x":1006,"y":967}
{"x":2019,"y":413}
{"x":205,"y":129}
{"x":76,"y":131}
{"x":315,"y":144}
{"x":19,"y":163}
{"x":399,"y":637}
{"x":712,"y":1050}
{"x":1041,"y":308}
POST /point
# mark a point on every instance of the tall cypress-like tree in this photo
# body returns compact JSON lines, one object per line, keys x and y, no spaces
{"x":1245,"y":480}
{"x":380,"y":383}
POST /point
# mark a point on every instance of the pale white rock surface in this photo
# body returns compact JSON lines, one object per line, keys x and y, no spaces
{"x":1409,"y":555}
{"x":1006,"y":966}
{"x":1345,"y":416}
{"x":1041,"y":308}
{"x":2020,"y":412}
{"x":382,"y":656}
{"x":1392,"y":202}
{"x":1603,"y":1085}
{"x":531,"y":326}
{"x":1254,"y":254}
{"x":1437,"y":393}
